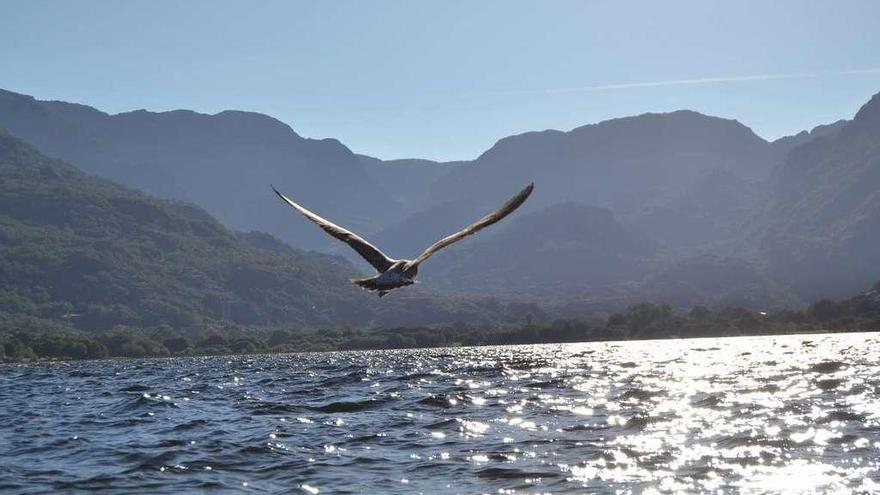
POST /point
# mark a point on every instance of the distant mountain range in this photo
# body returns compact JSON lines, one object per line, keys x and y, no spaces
{"x":642,"y":207}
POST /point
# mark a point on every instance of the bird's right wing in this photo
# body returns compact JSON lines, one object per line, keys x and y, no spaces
{"x":368,"y":251}
{"x":505,"y":209}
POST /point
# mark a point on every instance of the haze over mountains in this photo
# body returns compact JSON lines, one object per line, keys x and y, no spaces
{"x":661,"y":206}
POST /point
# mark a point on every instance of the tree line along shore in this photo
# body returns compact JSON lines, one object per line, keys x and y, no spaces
{"x":641,"y":321}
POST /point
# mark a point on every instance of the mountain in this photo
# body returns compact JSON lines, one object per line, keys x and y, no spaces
{"x":578,"y":260}
{"x":797,"y":213}
{"x":624,"y":164}
{"x":654,"y":171}
{"x":79,"y":250}
{"x":693,"y":185}
{"x":715,"y":281}
{"x":408,"y":181}
{"x":564,"y":248}
{"x":716,"y":209}
{"x":698,"y":186}
{"x":636,"y":166}
{"x":821,"y":232}
{"x":409,"y":237}
{"x":224,"y":163}
{"x":784,"y":145}
{"x":645,"y":169}
{"x":77,"y":245}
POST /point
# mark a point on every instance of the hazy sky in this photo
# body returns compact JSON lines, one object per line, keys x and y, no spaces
{"x":446,"y":79}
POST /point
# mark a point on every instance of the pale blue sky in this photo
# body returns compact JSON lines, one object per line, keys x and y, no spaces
{"x":446,"y":79}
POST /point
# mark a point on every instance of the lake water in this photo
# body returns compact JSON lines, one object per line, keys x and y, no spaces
{"x":767,"y":414}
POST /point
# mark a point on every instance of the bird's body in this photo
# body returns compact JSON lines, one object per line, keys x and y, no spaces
{"x":392,"y":278}
{"x":392,"y":273}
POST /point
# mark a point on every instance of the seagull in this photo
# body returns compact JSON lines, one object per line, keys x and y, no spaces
{"x":391,"y":273}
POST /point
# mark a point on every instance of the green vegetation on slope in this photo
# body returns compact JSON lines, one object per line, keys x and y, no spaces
{"x":85,"y":252}
{"x":642,"y":321}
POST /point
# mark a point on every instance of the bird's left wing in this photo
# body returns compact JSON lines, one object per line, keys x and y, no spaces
{"x":505,"y":209}
{"x":369,"y":252}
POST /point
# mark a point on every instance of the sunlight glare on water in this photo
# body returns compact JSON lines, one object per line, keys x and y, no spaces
{"x":793,"y":414}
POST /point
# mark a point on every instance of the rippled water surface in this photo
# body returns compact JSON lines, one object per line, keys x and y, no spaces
{"x":766,"y":414}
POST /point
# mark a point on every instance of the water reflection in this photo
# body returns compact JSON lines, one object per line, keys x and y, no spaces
{"x":772,"y":414}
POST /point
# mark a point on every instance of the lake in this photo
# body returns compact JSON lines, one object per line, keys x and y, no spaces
{"x":748,"y":414}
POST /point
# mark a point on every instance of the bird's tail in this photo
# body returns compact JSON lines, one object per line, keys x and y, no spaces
{"x":366,"y":283}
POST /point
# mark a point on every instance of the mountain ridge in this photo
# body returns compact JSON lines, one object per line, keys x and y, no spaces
{"x":224,"y":162}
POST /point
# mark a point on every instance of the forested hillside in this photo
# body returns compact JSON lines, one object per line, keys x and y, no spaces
{"x":84,"y":250}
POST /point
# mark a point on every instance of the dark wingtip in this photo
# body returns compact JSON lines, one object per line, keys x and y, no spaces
{"x":278,"y":193}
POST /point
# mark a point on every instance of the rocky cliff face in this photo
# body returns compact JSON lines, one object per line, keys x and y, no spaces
{"x":822,"y":231}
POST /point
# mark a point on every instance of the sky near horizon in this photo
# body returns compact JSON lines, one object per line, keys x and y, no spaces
{"x":446,"y":79}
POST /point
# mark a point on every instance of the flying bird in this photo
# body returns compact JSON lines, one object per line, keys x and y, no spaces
{"x":391,"y":273}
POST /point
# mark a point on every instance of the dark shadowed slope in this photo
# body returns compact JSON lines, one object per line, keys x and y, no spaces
{"x":577,"y":260}
{"x":73,"y":244}
{"x":716,"y":281}
{"x":419,"y":230}
{"x":224,"y":162}
{"x":822,"y":232}
{"x":564,"y":248}
{"x":717,"y":209}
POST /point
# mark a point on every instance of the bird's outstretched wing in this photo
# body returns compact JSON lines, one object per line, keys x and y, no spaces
{"x":369,"y":252}
{"x":506,"y":209}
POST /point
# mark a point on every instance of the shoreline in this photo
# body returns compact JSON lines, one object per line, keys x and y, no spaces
{"x":43,"y":360}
